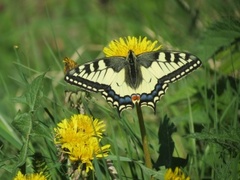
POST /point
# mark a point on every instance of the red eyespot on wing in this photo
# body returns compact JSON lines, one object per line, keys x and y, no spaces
{"x":135,"y":98}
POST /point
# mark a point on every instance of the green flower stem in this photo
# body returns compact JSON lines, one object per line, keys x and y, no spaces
{"x":147,"y":156}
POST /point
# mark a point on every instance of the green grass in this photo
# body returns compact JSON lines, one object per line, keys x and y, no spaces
{"x":37,"y":35}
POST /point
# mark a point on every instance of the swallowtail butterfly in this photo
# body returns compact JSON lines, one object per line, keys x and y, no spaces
{"x":142,"y":78}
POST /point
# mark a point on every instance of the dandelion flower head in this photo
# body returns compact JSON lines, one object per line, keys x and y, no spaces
{"x":34,"y":176}
{"x":79,"y":137}
{"x":122,"y":46}
{"x":176,"y":175}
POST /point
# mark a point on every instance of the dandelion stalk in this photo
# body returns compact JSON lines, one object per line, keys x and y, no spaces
{"x":147,"y":156}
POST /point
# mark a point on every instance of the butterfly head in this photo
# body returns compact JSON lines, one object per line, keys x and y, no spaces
{"x":131,"y":55}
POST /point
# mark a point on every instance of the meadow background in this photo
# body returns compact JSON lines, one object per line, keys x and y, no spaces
{"x":35,"y":36}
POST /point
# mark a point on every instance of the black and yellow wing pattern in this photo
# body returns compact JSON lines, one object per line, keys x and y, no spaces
{"x":142,"y":78}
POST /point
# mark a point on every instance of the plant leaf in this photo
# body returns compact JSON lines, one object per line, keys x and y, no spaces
{"x":34,"y":92}
{"x":23,"y":123}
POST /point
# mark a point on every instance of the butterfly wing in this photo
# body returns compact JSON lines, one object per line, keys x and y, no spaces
{"x":106,"y":76}
{"x":161,"y":68}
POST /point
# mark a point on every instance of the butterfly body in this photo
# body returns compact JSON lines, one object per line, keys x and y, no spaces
{"x":142,"y":78}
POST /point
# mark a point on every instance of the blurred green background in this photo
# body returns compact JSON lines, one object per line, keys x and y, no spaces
{"x":35,"y":36}
{"x":47,"y":31}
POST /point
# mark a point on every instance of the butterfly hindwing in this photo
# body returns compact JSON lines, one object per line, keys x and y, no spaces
{"x":144,"y":77}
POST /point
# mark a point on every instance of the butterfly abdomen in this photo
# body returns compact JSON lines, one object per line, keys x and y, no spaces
{"x":133,"y":74}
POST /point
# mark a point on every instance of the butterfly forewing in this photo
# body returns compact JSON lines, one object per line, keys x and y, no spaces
{"x":110,"y":76}
{"x":95,"y":76}
{"x":167,"y":65}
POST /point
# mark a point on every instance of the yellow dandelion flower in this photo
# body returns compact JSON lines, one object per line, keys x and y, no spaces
{"x":34,"y":176}
{"x":68,"y":64}
{"x":80,"y":137}
{"x":122,"y":46}
{"x":78,"y":127}
{"x":176,"y":175}
{"x":87,"y":150}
